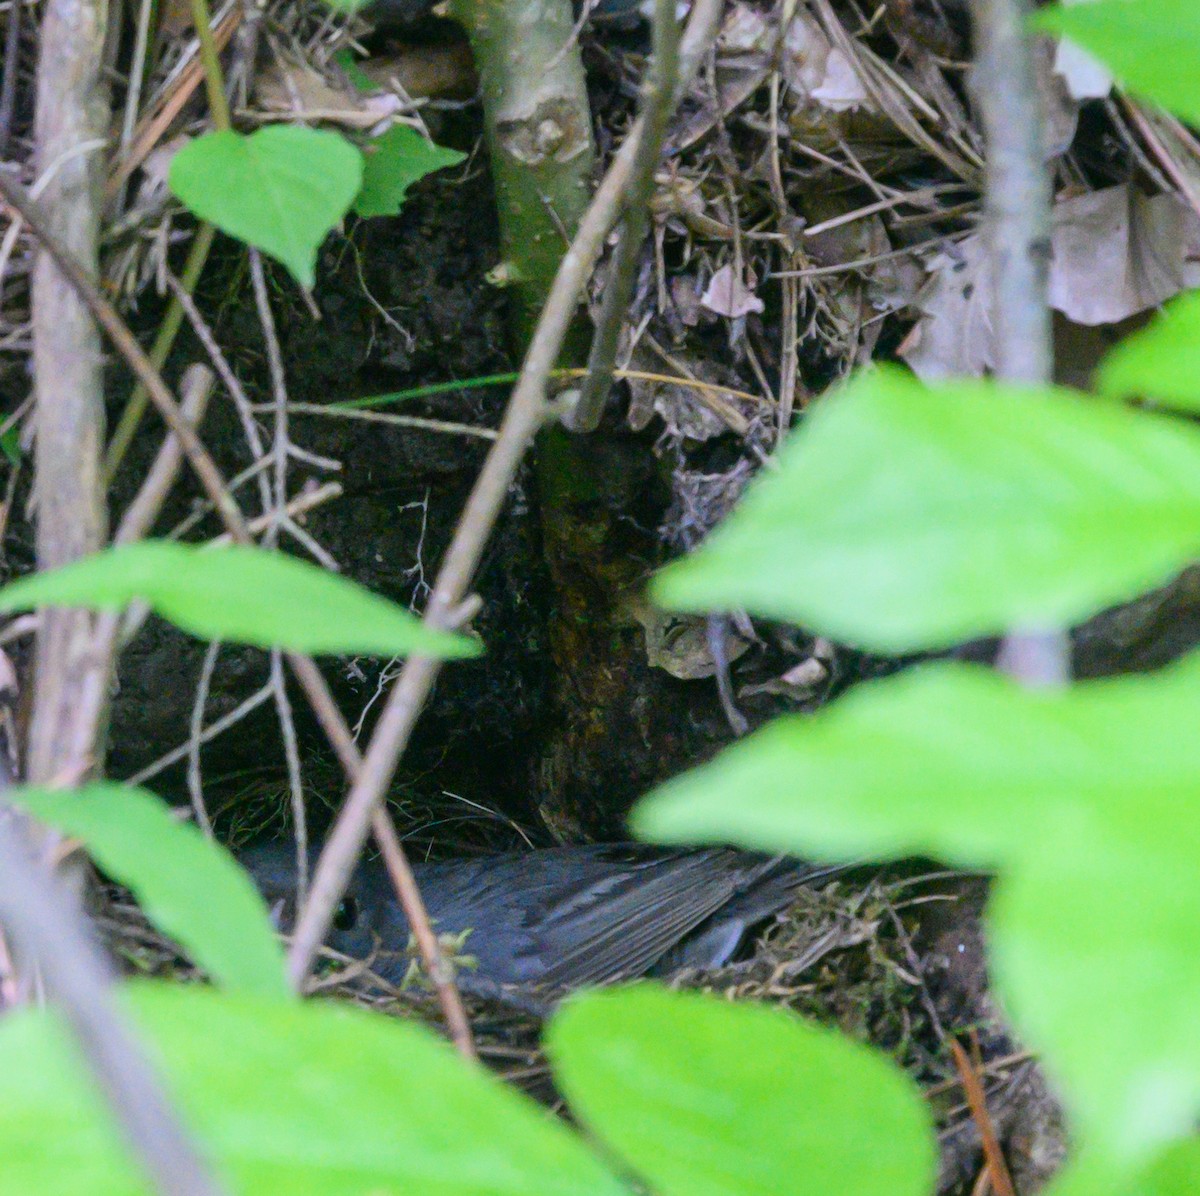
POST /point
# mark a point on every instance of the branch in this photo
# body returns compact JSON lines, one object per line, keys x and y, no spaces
{"x":659,"y":103}
{"x":72,"y":115}
{"x":1018,"y":188}
{"x":1018,"y":218}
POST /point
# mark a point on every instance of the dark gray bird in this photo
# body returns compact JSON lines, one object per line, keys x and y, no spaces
{"x":561,"y":918}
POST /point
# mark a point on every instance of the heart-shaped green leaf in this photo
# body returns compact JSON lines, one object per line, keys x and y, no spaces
{"x":281,"y":189}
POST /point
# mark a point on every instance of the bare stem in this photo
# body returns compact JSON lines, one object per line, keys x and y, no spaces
{"x":71,"y":123}
{"x":1018,"y":189}
{"x":1018,"y":219}
{"x":659,"y":103}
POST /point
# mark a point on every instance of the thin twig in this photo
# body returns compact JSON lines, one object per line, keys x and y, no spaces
{"x":300,"y":505}
{"x":126,"y":344}
{"x":222,"y":725}
{"x":195,"y":387}
{"x":977,"y":1100}
{"x":291,"y":755}
{"x":279,"y":447}
{"x":790,"y":292}
{"x":418,"y":422}
{"x":661,"y":96}
{"x":270,"y":539}
{"x":195,"y":780}
{"x":137,"y":74}
{"x":399,"y":869}
{"x":241,"y":401}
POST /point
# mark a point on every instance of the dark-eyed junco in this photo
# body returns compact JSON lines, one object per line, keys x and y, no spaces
{"x":560,"y":918}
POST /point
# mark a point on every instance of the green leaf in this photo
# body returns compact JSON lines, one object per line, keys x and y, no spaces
{"x":1175,"y":1172}
{"x":395,"y":161}
{"x":307,"y":1099}
{"x":1095,"y":941}
{"x":902,"y":517}
{"x":1084,"y":799}
{"x":346,"y":60}
{"x":241,"y":594}
{"x":189,"y":887}
{"x":10,"y":446}
{"x":1153,"y":46}
{"x":1162,"y":361}
{"x":919,"y":763}
{"x":707,"y":1098}
{"x":281,"y":189}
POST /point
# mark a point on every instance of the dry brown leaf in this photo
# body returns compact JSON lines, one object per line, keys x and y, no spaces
{"x":817,"y":70}
{"x":1060,"y":110}
{"x":745,"y":30}
{"x":298,"y":90}
{"x":954,"y":336}
{"x":684,"y":416}
{"x":728,"y":295}
{"x":1086,"y":77}
{"x":679,"y":644}
{"x":1115,"y":252}
{"x":801,"y":682}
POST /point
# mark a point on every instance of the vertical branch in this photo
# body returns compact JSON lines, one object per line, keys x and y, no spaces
{"x":1018,"y":221}
{"x":1018,"y":188}
{"x":658,"y":103}
{"x":539,"y":135}
{"x":71,"y":121}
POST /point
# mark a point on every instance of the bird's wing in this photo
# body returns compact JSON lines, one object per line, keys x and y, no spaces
{"x":620,"y":929}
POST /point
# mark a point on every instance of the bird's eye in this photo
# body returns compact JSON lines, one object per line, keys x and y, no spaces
{"x":346,"y":914}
